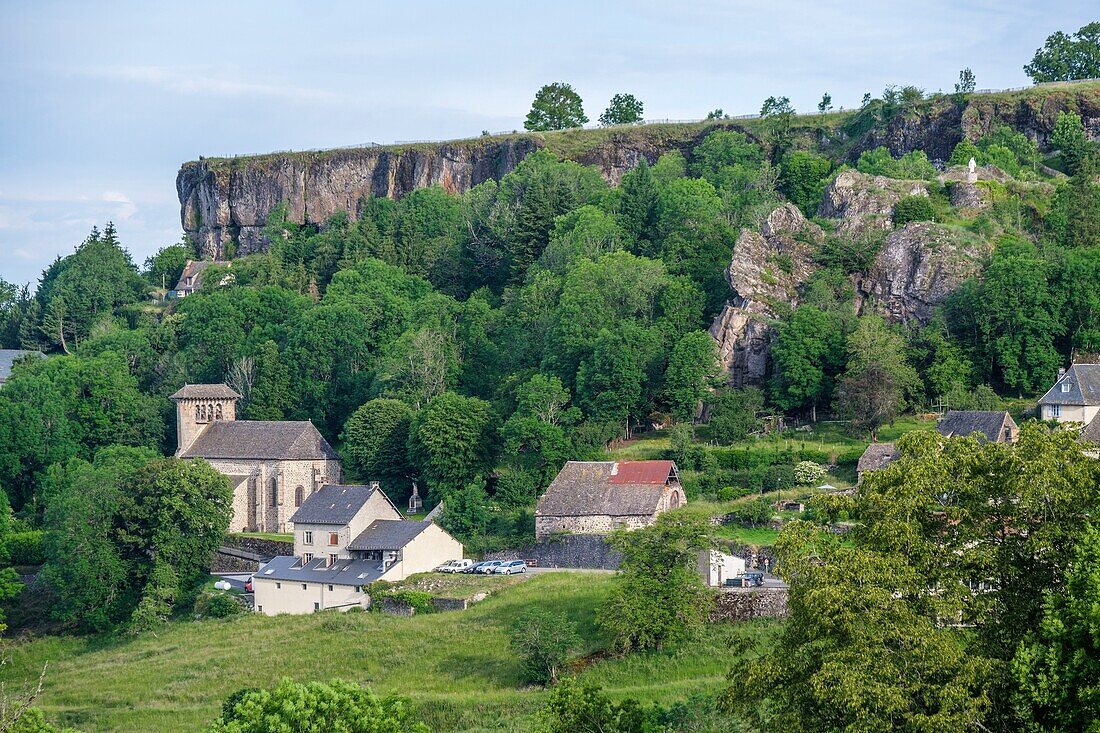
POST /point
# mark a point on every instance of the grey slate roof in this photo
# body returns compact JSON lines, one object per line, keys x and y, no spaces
{"x":333,"y":504}
{"x":259,"y":439}
{"x":1084,"y":387}
{"x":387,"y":534}
{"x":205,"y":392}
{"x":8,"y":357}
{"x":585,"y":488}
{"x":963,"y":423}
{"x":877,"y":456}
{"x":343,"y":572}
{"x":1091,"y":432}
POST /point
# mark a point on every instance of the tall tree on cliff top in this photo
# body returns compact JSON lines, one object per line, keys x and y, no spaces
{"x":1064,"y":57}
{"x":556,"y":107}
{"x":624,"y":109}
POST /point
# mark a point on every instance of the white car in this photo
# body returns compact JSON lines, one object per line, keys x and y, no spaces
{"x":454,"y":566}
{"x":510,"y":567}
{"x":484,"y":568}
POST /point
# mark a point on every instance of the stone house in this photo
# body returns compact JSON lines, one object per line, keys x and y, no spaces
{"x":597,"y":497}
{"x":320,"y":575}
{"x":877,"y":457}
{"x":1075,"y":397}
{"x":272,"y":465}
{"x":995,"y":427}
{"x":191,"y":277}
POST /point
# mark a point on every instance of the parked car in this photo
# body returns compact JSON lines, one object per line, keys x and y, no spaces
{"x":487,"y":567}
{"x":474,"y":568}
{"x":509,"y":568}
{"x":248,"y":585}
{"x":454,"y":566}
{"x":754,"y":579}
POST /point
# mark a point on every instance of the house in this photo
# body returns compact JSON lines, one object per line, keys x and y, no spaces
{"x":995,"y":427}
{"x":191,"y":277}
{"x":597,"y":497}
{"x":1091,"y":434}
{"x":330,"y":518}
{"x":1075,"y":397}
{"x":272,"y":465}
{"x":718,"y":567}
{"x":877,"y":457}
{"x":330,"y":571}
{"x":8,"y":357}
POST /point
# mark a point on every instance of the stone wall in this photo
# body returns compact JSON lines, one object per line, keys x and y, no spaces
{"x":593,"y":524}
{"x":266,"y":548}
{"x":566,"y":551}
{"x":744,"y":604}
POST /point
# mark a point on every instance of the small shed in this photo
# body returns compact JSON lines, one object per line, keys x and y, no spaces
{"x":717,"y":567}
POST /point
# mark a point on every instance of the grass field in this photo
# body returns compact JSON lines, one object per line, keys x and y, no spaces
{"x":455,"y":667}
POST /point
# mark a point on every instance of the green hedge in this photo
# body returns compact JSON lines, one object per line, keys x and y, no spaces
{"x":23,"y":548}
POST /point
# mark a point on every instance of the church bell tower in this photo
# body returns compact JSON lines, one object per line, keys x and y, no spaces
{"x":197,"y":407}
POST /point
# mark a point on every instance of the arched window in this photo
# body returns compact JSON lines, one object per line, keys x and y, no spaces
{"x":299,"y":494}
{"x":674,"y":500}
{"x":218,"y":411}
{"x":198,"y":413}
{"x":274,"y":491}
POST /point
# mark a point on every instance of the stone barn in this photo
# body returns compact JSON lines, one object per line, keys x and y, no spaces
{"x":598,"y":497}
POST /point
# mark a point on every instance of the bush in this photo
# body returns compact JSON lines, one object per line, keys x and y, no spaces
{"x":802,"y":179}
{"x":911,"y":166}
{"x":544,"y":640}
{"x":808,"y":473}
{"x":23,"y":548}
{"x":913,"y":208}
{"x":223,"y":605}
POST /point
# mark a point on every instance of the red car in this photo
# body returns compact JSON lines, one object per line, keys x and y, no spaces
{"x":248,"y":585}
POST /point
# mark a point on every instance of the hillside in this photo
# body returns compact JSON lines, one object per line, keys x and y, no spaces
{"x":226,"y":201}
{"x":455,"y":667}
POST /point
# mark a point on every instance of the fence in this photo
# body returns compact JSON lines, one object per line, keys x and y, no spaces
{"x":665,"y":121}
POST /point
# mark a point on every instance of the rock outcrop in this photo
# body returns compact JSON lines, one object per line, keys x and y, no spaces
{"x":863,"y":202}
{"x":766,"y":270}
{"x":919,"y":266}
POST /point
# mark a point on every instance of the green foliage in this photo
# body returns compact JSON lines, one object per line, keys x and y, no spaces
{"x":575,"y":707}
{"x":963,"y":152}
{"x":966,"y":83}
{"x":375,"y":441}
{"x":802,"y":179}
{"x":777,"y":114}
{"x":913,"y":208}
{"x":1074,"y":220}
{"x":878,"y":381}
{"x":1066,"y":57}
{"x":544,"y":640}
{"x":808,"y":473}
{"x":691,"y":372}
{"x":755,"y":513}
{"x":623,"y":109}
{"x":335,"y":706}
{"x":165,"y":267}
{"x":734,"y":414}
{"x":658,"y":599}
{"x":556,"y":107}
{"x":911,"y":166}
{"x":10,"y":588}
{"x":218,"y":605}
{"x":451,"y":442}
{"x":808,"y":353}
{"x":1069,"y":137}
{"x":466,"y":512}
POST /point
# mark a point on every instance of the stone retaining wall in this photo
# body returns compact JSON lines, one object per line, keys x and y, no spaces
{"x":566,"y":551}
{"x":743,"y":604}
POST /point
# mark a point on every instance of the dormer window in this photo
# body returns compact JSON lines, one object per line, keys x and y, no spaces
{"x":1066,"y":386}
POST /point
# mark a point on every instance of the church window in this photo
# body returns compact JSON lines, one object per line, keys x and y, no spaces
{"x":218,"y":411}
{"x":299,"y":494}
{"x":198,"y":413}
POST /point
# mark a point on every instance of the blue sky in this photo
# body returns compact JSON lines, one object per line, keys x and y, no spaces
{"x":103,"y":101}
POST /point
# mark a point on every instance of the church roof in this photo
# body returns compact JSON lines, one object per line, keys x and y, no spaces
{"x":335,"y":504}
{"x":205,"y":392}
{"x":258,"y":439}
{"x":963,"y":423}
{"x":626,"y":488}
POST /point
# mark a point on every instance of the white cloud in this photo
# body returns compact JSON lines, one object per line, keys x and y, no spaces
{"x":191,"y":81}
{"x":125,"y":209}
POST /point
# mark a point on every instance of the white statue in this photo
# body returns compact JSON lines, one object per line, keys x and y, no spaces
{"x":971,"y":171}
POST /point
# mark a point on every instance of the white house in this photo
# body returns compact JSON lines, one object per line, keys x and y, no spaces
{"x":335,"y":563}
{"x":1075,"y":397}
{"x":718,"y":567}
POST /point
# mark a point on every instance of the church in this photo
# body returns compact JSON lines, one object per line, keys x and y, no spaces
{"x":273,"y":466}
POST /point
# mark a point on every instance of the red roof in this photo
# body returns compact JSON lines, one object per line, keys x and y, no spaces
{"x":641,"y":472}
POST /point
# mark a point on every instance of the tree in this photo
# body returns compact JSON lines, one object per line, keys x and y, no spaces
{"x":556,"y":107}
{"x":451,"y":442}
{"x":1069,"y":137}
{"x":1058,"y":667}
{"x":1066,"y":57}
{"x":808,"y":353}
{"x":164,"y":268}
{"x":573,"y":707}
{"x":638,"y":209}
{"x":802,"y":178}
{"x":878,"y":379}
{"x":825,"y":104}
{"x":544,"y":640}
{"x":691,"y":372}
{"x":335,"y":706}
{"x":375,"y":441}
{"x":624,"y":109}
{"x":777,"y":114}
{"x":734,"y":414}
{"x":966,"y":83}
{"x":808,"y":473}
{"x":658,"y":597}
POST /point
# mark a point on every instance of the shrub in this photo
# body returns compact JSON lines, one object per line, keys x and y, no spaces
{"x":544,"y":640}
{"x":913,"y":208}
{"x":808,"y":473}
{"x":24,"y":548}
{"x":802,"y":179}
{"x":223,"y":605}
{"x":753,"y":513}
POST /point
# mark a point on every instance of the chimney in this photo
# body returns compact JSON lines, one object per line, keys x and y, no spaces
{"x":1061,"y":373}
{"x":375,"y":486}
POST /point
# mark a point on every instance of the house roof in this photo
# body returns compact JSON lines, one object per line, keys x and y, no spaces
{"x":342,"y":572}
{"x":877,"y":456}
{"x":387,"y":534}
{"x":287,"y":441}
{"x":963,"y":423}
{"x":626,"y":488}
{"x":194,"y":270}
{"x":334,"y":504}
{"x":8,"y":357}
{"x":205,"y":392}
{"x":1091,"y":432}
{"x":1083,"y":382}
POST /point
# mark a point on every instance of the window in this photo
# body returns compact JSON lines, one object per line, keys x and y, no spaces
{"x":274,"y":491}
{"x":307,"y":557}
{"x":334,"y":538}
{"x":1066,"y":386}
{"x":330,"y":588}
{"x":303,"y":586}
{"x":331,"y":560}
{"x":307,"y":538}
{"x":1055,"y":410}
{"x":278,"y":585}
{"x":316,"y":606}
{"x":299,"y":494}
{"x":358,"y":589}
{"x":260,"y":609}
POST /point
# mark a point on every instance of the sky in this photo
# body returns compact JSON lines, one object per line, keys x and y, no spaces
{"x":102,"y":102}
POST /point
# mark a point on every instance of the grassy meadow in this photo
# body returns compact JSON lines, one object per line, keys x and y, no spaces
{"x":455,"y":667}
